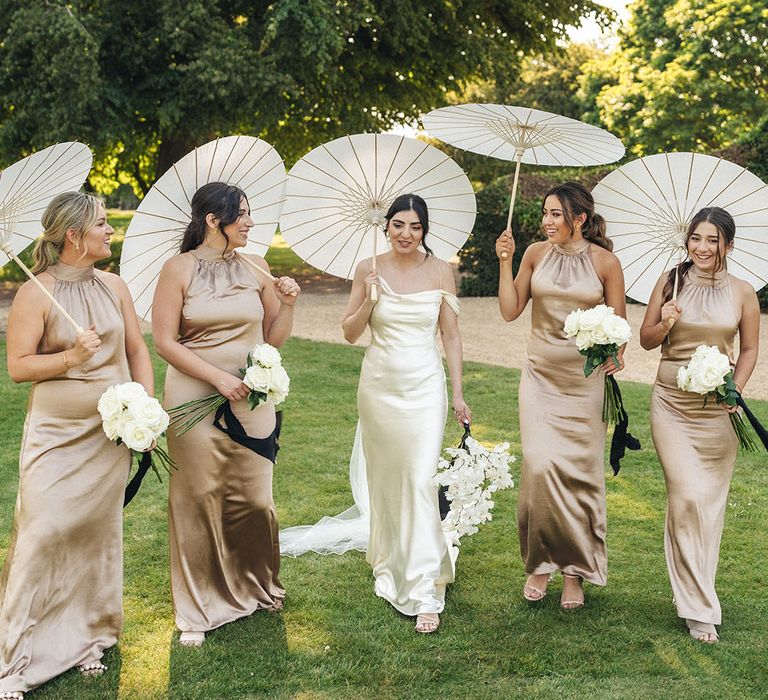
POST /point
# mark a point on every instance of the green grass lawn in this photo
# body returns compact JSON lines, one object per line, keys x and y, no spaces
{"x":335,"y":639}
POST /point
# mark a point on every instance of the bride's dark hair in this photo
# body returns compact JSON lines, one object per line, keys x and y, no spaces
{"x":406,"y":202}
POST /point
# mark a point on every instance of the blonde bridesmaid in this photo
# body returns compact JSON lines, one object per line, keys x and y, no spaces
{"x":210,"y":308}
{"x":61,"y":587}
{"x":696,"y":444}
{"x":561,"y":503}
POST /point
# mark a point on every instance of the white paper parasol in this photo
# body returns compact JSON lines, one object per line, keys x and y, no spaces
{"x":26,"y":189}
{"x":339,"y":192}
{"x":523,"y":135}
{"x":156,"y":230}
{"x":649,"y":203}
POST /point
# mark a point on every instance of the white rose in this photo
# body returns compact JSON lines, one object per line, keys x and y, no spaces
{"x":617,"y":330}
{"x":683,"y":379}
{"x":110,"y":404}
{"x":280,"y":385}
{"x":599,"y":336}
{"x":572,"y":321}
{"x":113,"y":426}
{"x":584,"y":340}
{"x":592,"y":318}
{"x":130,"y":391}
{"x":258,"y":378}
{"x":136,"y":436}
{"x":150,"y":413}
{"x":266,"y":355}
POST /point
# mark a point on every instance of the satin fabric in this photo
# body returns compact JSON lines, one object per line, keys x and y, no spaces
{"x":561,"y":504}
{"x":223,"y":532}
{"x":402,"y":403}
{"x":697,"y":447}
{"x":61,"y":586}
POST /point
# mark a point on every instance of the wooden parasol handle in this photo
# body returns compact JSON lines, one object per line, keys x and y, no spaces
{"x":674,"y":297}
{"x":374,"y":287}
{"x":518,"y":160}
{"x":260,"y":269}
{"x":42,"y":287}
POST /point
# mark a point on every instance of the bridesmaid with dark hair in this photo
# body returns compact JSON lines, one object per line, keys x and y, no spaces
{"x":561,"y":504}
{"x":696,"y":443}
{"x":210,"y":309}
{"x":62,"y":583}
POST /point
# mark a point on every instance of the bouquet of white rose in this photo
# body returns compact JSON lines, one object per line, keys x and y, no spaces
{"x":709,"y":372}
{"x":599,"y":334}
{"x":471,"y":475}
{"x":263,"y":374}
{"x":132,"y":417}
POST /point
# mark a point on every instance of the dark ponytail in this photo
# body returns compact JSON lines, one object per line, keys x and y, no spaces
{"x":217,"y":198}
{"x":576,"y":200}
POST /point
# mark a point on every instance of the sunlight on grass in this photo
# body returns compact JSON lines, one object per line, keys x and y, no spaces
{"x":632,"y":508}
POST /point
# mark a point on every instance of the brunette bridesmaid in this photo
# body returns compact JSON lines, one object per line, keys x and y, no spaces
{"x":210,"y":309}
{"x":61,"y":586}
{"x":697,"y":444}
{"x":561,"y":504}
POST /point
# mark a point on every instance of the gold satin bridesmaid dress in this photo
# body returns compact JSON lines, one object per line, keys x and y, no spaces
{"x":697,"y":447}
{"x":561,"y":504}
{"x":223,"y":531}
{"x":62,"y":584}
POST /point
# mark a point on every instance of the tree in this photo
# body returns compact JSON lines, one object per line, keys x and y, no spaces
{"x":161,"y":76}
{"x":689,"y":75}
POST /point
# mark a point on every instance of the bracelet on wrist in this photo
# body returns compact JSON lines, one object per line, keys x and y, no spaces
{"x":66,"y":361}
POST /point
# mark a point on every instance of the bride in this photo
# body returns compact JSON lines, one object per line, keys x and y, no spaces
{"x":402,"y":405}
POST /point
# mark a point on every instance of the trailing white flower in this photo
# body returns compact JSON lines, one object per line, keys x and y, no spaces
{"x":266,"y":355}
{"x":471,"y":475}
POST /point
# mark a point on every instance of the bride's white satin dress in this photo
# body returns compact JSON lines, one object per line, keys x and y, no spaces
{"x":402,"y":404}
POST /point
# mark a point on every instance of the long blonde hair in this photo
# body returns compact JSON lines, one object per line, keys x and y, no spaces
{"x":70,"y":210}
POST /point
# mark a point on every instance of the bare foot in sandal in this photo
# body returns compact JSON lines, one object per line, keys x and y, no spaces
{"x":94,"y":668}
{"x":702,"y":632}
{"x":572,"y":597}
{"x":192,"y":639}
{"x":427,"y":623}
{"x":535,"y":587}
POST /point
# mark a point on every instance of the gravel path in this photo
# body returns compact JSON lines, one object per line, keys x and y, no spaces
{"x":486,"y":337}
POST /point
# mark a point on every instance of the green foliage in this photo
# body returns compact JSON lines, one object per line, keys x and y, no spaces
{"x":689,"y":75}
{"x":336,"y":639}
{"x":147,"y":80}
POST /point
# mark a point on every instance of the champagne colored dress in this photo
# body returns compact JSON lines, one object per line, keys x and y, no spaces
{"x":561,"y":504}
{"x":61,"y":586}
{"x":225,"y":553}
{"x":696,"y":445}
{"x":402,"y":403}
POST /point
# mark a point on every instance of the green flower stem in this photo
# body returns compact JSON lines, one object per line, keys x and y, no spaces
{"x":746,"y":442}
{"x":610,"y":404}
{"x":185,"y":420}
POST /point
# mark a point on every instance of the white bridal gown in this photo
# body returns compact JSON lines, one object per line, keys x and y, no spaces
{"x":402,"y":405}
